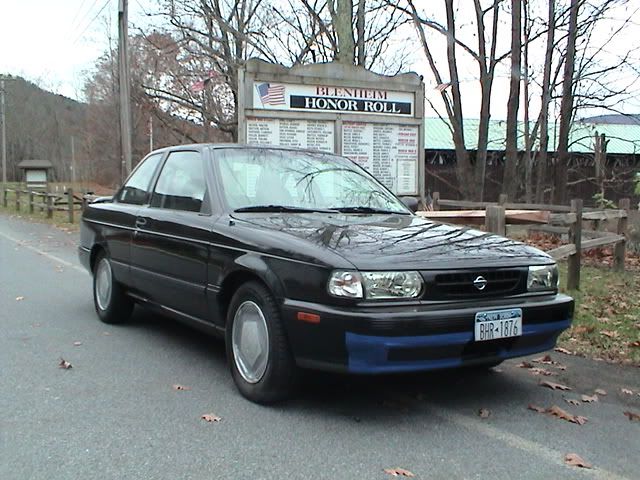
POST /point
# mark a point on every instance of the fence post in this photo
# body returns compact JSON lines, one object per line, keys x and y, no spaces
{"x":619,"y":249}
{"x":436,"y":201}
{"x":17,"y":200}
{"x":30,"y":201}
{"x":575,"y":237}
{"x":502,"y":199}
{"x":494,"y":220}
{"x":49,"y":205}
{"x":70,"y":203}
{"x":5,"y":191}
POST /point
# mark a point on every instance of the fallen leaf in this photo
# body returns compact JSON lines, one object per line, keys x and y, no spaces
{"x":635,"y":344}
{"x":484,"y":413}
{"x":64,"y":364}
{"x":210,"y":417}
{"x":181,"y":387}
{"x":541,"y":371}
{"x":575,"y":460}
{"x":572,"y":401}
{"x":398,"y":472}
{"x":563,"y":350}
{"x":564,"y":415}
{"x":583,"y":329}
{"x":600,"y":391}
{"x":589,"y":399}
{"x":106,"y":333}
{"x":627,"y":391}
{"x":525,"y":365}
{"x":19,"y":299}
{"x":546,"y":359}
{"x":633,"y":417}
{"x":554,"y":386}
{"x":609,"y":334}
{"x":536,"y":408}
{"x":77,"y":344}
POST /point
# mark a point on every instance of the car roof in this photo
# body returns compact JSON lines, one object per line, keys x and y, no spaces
{"x":235,"y":146}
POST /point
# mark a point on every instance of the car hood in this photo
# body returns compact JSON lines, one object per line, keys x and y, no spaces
{"x":393,"y":241}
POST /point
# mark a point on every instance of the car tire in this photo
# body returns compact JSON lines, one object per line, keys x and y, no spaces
{"x":112,"y":305}
{"x":258,"y":352}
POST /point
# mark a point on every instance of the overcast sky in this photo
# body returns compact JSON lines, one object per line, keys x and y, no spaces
{"x":55,"y":42}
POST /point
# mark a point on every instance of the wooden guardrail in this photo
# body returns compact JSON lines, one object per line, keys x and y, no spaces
{"x":45,"y":202}
{"x":556,"y":219}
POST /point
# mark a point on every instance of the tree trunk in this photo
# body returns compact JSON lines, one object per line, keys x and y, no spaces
{"x":463,"y":165}
{"x":543,"y":119}
{"x":510,"y":180}
{"x":487,"y":70}
{"x":528,"y":136}
{"x":360,"y":59}
{"x":566,"y":108}
{"x":342,"y":23}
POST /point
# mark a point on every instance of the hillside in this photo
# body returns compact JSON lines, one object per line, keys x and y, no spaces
{"x":40,"y":125}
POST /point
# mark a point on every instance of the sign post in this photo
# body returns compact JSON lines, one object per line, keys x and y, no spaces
{"x":375,"y":120}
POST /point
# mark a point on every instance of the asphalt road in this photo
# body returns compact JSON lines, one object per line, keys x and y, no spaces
{"x":115,"y":414}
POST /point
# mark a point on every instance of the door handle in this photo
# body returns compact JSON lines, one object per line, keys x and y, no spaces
{"x":141,"y":222}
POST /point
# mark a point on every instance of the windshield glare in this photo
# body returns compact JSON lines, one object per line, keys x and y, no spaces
{"x":263,"y":177}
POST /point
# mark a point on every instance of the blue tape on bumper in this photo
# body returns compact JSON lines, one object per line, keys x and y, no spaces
{"x":368,"y":354}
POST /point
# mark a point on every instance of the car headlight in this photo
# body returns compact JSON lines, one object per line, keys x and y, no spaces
{"x":345,"y":284}
{"x":543,"y":277}
{"x":375,"y":285}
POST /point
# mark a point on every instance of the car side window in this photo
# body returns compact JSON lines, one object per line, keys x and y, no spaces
{"x":181,"y":184}
{"x":136,"y":190}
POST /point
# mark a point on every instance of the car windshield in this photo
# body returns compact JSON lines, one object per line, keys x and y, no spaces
{"x":299,"y":181}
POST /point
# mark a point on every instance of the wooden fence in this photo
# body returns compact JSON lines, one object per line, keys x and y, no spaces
{"x":556,"y":219}
{"x":45,"y":202}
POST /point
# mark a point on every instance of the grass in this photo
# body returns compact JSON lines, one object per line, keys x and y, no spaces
{"x":606,"y":324}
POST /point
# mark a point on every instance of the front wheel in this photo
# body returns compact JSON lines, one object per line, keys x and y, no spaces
{"x":258,"y":352}
{"x":111,"y":303}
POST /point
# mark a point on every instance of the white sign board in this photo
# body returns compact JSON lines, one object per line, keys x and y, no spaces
{"x":372,"y":119}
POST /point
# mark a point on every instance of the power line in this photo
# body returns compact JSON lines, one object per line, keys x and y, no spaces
{"x":76,"y":17}
{"x":91,"y":22}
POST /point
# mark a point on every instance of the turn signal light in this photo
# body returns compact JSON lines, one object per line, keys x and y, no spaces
{"x":308,"y":317}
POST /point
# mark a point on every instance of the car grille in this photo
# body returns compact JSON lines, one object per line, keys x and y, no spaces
{"x":460,"y":284}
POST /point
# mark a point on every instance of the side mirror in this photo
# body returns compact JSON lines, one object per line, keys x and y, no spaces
{"x":410,"y":202}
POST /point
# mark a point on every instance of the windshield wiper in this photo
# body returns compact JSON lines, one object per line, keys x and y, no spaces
{"x":283,"y":208}
{"x":365,"y":209}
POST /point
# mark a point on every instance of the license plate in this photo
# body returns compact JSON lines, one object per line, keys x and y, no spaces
{"x":498,"y":324}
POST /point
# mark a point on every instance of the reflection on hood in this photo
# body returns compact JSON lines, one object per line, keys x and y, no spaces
{"x":372,"y":240}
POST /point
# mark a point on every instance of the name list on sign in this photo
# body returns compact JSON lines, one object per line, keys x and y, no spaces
{"x":388,"y":152}
{"x":311,"y":134}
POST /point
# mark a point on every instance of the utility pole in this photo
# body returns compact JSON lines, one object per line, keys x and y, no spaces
{"x":73,"y":161}
{"x":3,"y":118}
{"x":125,"y":99}
{"x":151,"y":133}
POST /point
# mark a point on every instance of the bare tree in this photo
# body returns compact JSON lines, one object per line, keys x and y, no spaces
{"x":509,"y":183}
{"x":543,"y":117}
{"x":470,"y":175}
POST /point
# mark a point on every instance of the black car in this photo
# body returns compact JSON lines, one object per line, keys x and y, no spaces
{"x":302,"y":259}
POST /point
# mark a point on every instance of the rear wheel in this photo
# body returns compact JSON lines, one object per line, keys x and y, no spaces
{"x":111,"y":303}
{"x":258,"y":352}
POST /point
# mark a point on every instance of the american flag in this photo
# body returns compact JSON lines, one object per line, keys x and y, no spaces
{"x":271,"y":94}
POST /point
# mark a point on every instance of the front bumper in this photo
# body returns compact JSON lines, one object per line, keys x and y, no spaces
{"x":390,"y":339}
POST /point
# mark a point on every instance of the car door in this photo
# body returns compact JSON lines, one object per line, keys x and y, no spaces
{"x":117,"y":219}
{"x":169,"y":252}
